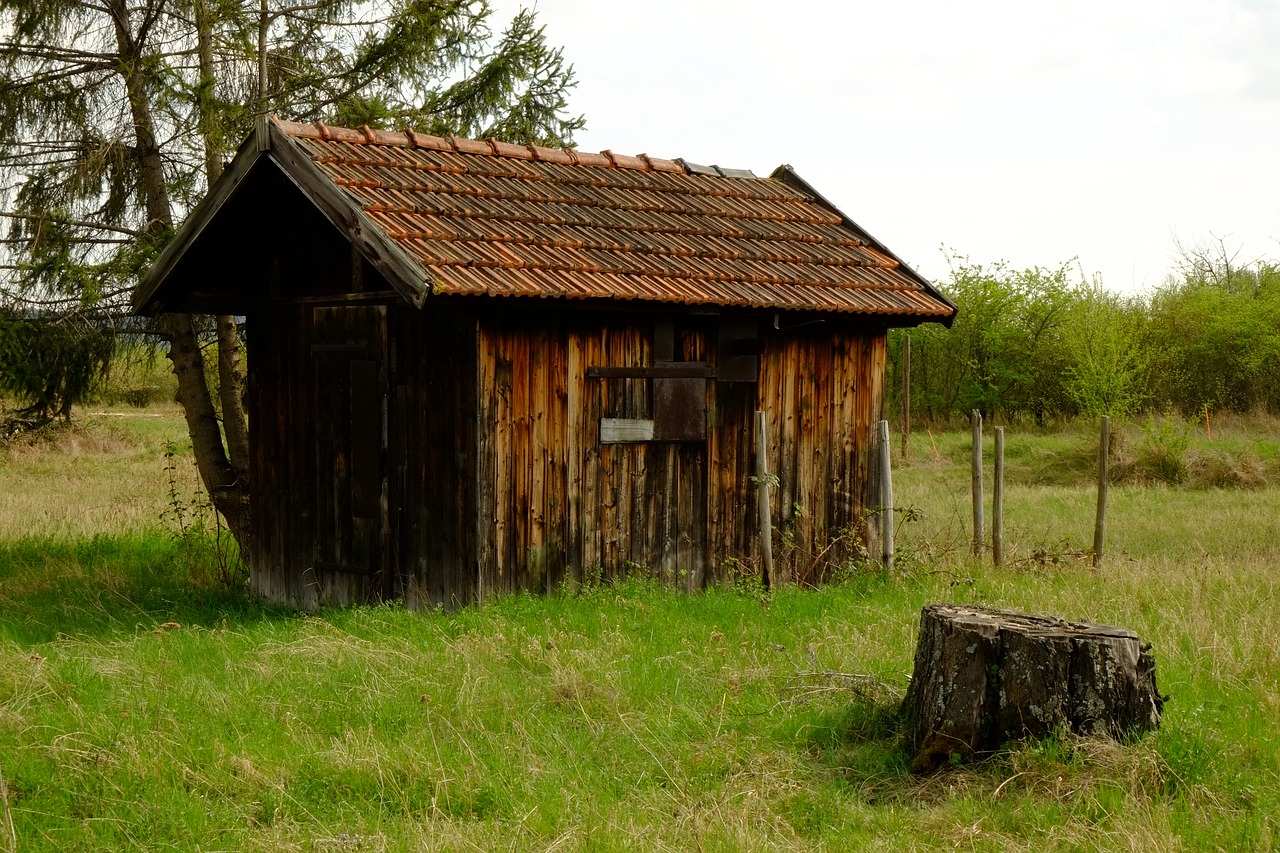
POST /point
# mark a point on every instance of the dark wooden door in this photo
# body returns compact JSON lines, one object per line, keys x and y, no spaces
{"x":349,"y":356}
{"x":653,"y":476}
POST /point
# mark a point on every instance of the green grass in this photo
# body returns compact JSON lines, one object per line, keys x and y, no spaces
{"x":145,"y":706}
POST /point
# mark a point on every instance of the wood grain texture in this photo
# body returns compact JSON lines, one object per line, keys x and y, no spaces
{"x":822,"y":391}
{"x":492,"y":472}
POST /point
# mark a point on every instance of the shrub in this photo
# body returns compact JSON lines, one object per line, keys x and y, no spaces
{"x":1162,"y":456}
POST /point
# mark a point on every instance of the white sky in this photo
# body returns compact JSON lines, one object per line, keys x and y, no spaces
{"x":1034,"y":131}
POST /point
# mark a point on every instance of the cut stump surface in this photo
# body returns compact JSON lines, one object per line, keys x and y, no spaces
{"x":984,"y":677}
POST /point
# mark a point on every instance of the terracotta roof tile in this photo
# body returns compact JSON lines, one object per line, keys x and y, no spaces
{"x":507,"y":149}
{"x":583,"y":158}
{"x":489,"y":217}
{"x":550,"y":155}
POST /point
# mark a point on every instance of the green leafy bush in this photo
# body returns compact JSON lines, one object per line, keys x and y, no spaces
{"x":1162,"y":456}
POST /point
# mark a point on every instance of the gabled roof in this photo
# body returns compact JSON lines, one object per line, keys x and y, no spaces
{"x":462,"y":217}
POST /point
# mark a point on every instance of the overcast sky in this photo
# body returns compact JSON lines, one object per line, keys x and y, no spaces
{"x":1033,"y":132}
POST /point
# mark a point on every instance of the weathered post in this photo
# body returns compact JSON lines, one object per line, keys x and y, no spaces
{"x":906,"y":396}
{"x":1100,"y":524}
{"x":975,"y":419}
{"x":886,"y":500}
{"x":997,"y":502}
{"x":762,"y":484}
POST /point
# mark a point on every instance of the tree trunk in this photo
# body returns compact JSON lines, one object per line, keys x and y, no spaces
{"x":230,"y":494}
{"x":227,"y":489}
{"x":231,"y":380}
{"x":984,"y":677}
{"x":235,"y":421}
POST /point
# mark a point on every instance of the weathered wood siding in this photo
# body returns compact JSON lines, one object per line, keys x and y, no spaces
{"x":554,"y":503}
{"x":823,"y":392}
{"x":450,"y":454}
{"x":318,"y":431}
{"x":433,"y":455}
{"x":281,"y":445}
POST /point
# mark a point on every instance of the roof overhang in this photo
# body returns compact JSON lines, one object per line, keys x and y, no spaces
{"x":244,"y":193}
{"x":788,"y":176}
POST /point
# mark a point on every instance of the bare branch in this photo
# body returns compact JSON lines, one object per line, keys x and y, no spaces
{"x":97,"y":226}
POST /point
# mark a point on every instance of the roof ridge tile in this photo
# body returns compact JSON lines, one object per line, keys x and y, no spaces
{"x":624,"y":161}
{"x":587,"y":159}
{"x":469,"y":146}
{"x":426,"y":140}
{"x":657,"y":164}
{"x":697,"y":168}
{"x":509,"y":149}
{"x":491,"y":146}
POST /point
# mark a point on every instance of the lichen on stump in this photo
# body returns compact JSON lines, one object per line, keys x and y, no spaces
{"x":984,"y":677}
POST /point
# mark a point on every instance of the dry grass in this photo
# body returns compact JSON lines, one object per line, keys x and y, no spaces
{"x":102,"y":476}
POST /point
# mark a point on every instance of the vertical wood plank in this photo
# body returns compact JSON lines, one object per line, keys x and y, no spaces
{"x":557,"y":497}
{"x":592,"y":524}
{"x":538,"y":451}
{"x":577,"y":433}
{"x":762,"y":488}
{"x":886,"y":500}
{"x":997,"y":501}
{"x":489,"y":487}
{"x":1100,"y":520}
{"x":975,"y":423}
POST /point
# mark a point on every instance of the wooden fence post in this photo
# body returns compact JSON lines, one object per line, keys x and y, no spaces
{"x":975,"y":420}
{"x":762,"y":484}
{"x":906,"y":397}
{"x":997,"y":502}
{"x":1100,"y":524}
{"x":886,"y":500}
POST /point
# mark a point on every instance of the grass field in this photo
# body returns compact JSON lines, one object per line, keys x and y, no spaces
{"x":145,"y":705}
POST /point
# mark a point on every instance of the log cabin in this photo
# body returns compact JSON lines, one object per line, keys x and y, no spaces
{"x":477,"y":367}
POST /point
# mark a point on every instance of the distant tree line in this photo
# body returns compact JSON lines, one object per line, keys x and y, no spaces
{"x":1040,"y":344}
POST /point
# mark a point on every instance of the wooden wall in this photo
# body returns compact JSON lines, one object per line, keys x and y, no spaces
{"x":317,"y":383}
{"x":474,"y":465}
{"x":823,"y":393}
{"x":554,"y":503}
{"x":433,"y":455}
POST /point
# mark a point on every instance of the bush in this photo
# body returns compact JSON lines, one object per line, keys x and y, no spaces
{"x":139,"y":376}
{"x":1162,"y":456}
{"x":49,"y":362}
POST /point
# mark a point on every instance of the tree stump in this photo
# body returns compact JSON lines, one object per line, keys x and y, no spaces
{"x":984,"y":677}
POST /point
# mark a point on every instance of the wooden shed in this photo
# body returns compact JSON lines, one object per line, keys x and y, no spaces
{"x":477,"y":367}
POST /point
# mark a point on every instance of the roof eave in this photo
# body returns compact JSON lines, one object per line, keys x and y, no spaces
{"x":788,"y":176}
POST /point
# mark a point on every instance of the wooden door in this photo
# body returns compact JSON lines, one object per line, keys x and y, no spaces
{"x":652,"y":474}
{"x":349,"y":357}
